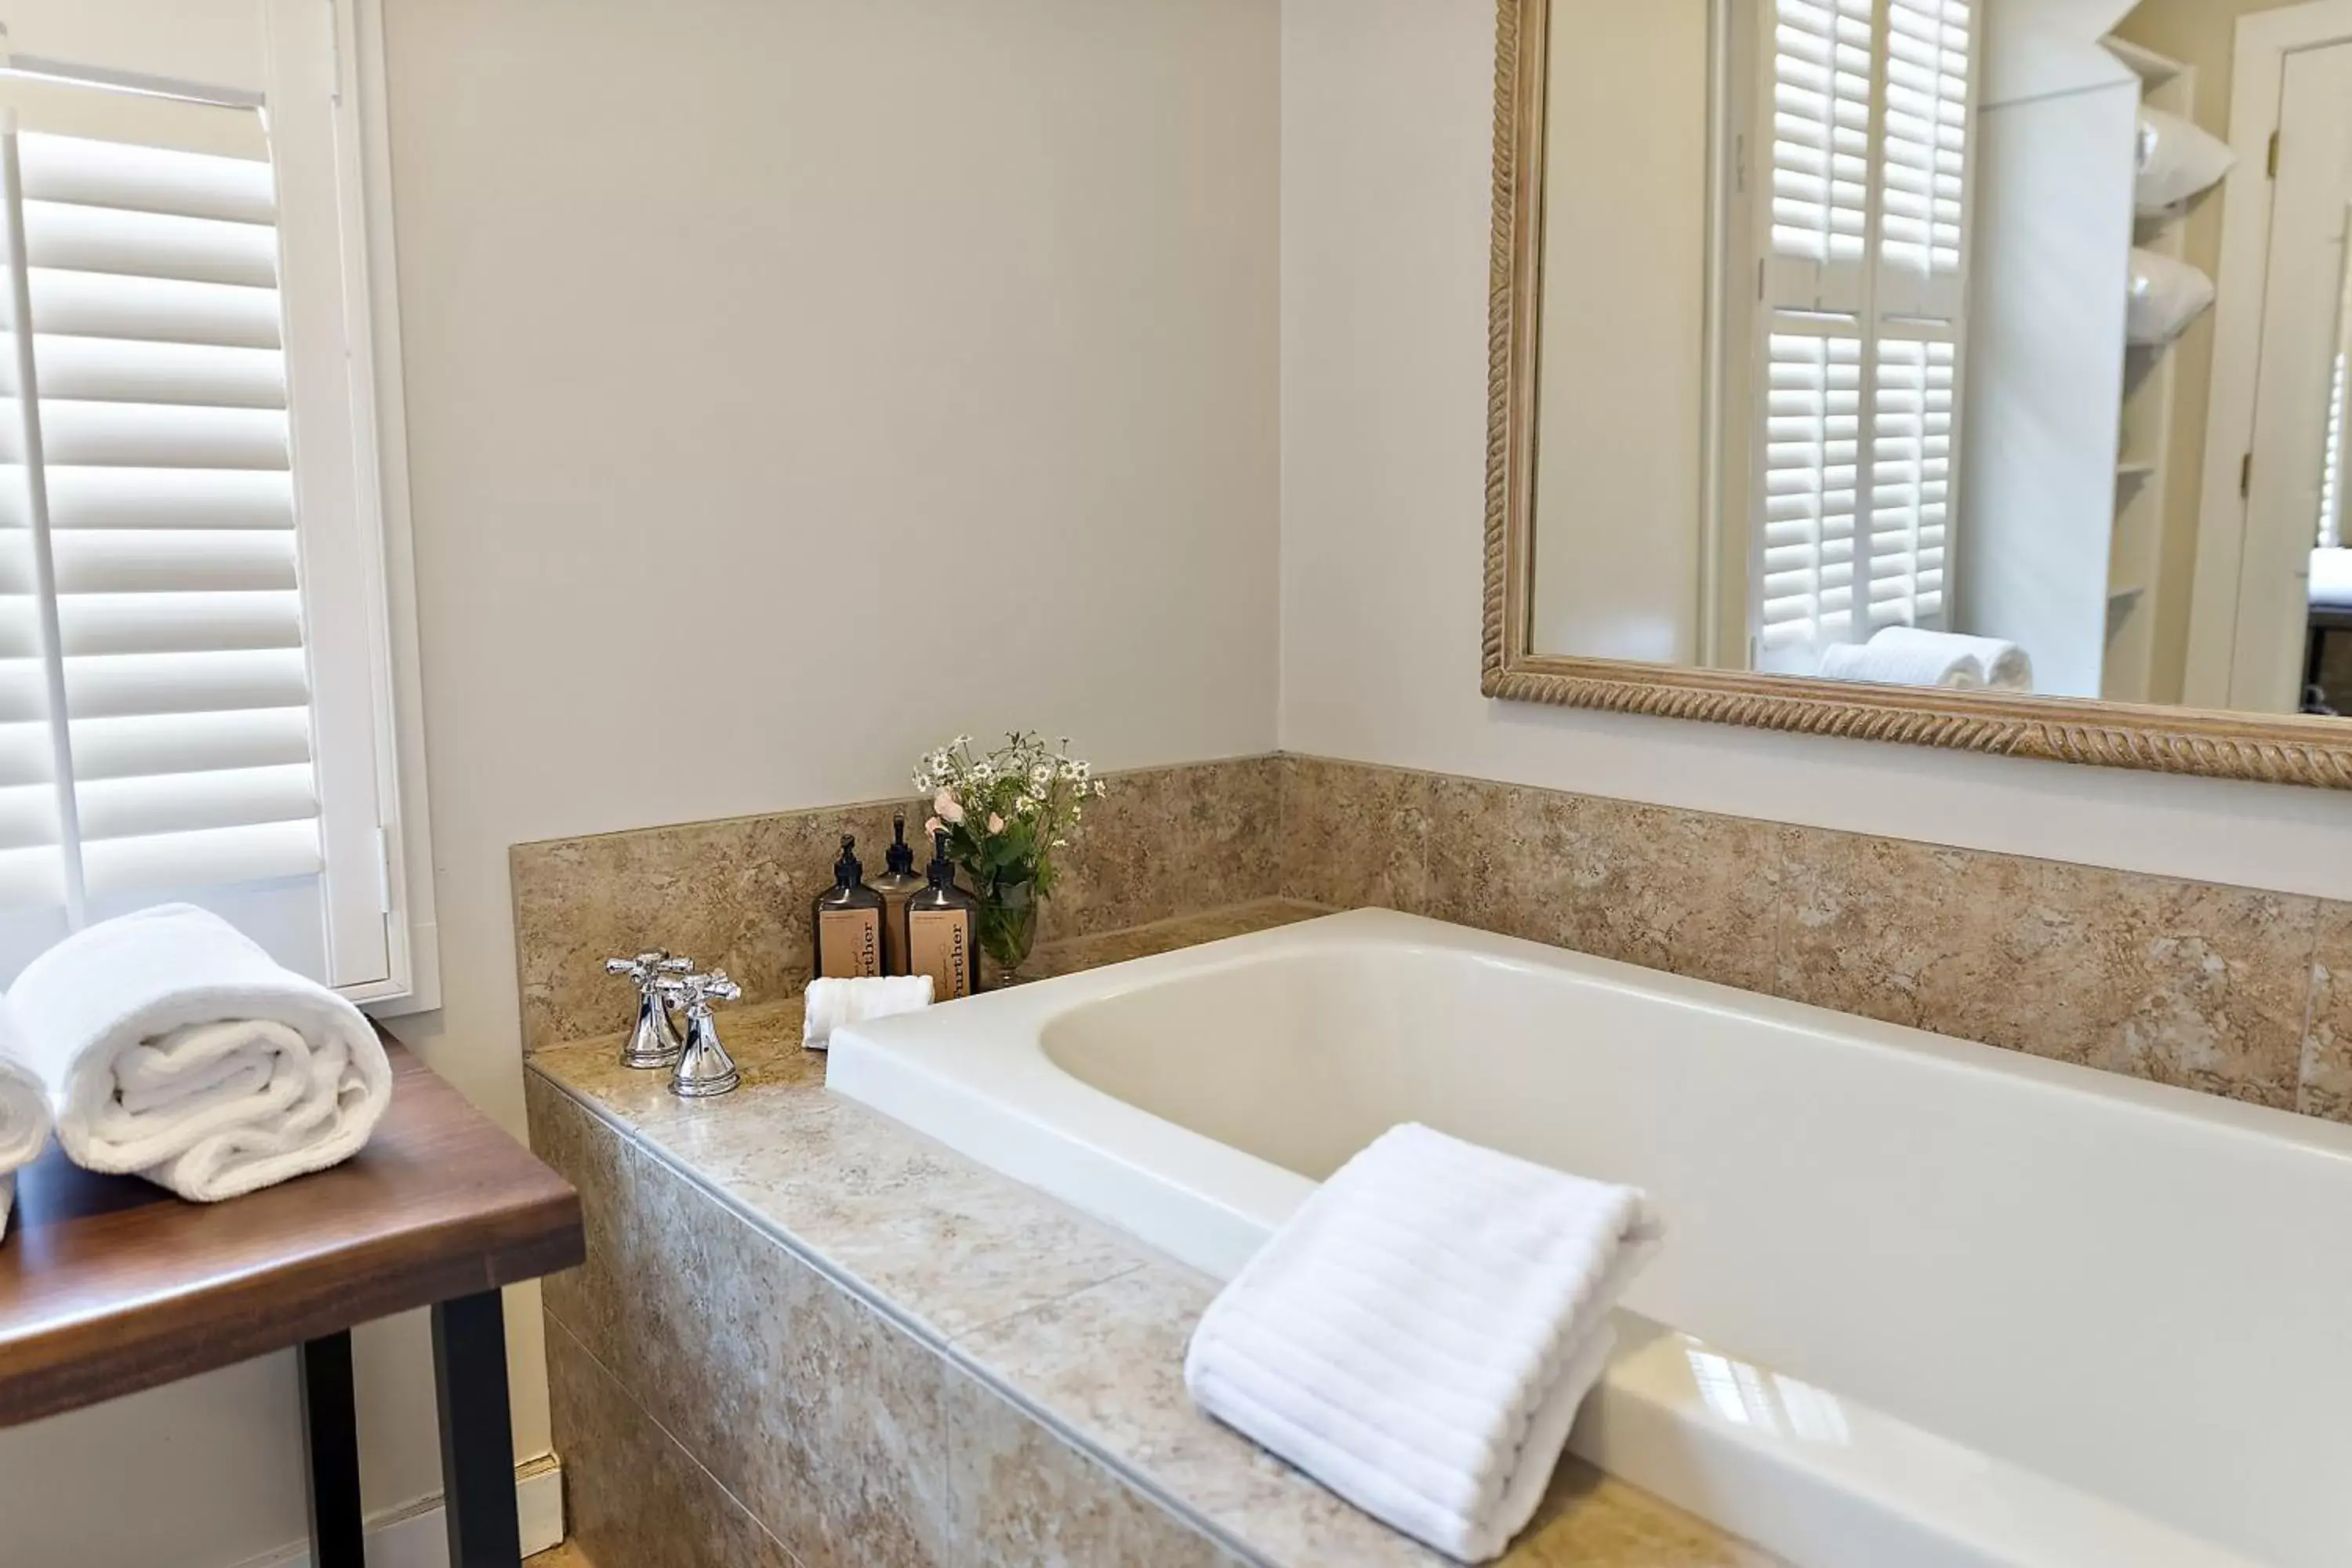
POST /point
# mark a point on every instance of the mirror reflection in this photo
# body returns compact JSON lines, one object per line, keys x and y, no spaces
{"x":1947,"y":344}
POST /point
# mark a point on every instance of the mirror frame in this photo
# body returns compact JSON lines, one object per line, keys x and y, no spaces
{"x":2269,"y":748}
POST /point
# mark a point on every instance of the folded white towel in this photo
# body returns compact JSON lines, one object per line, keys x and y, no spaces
{"x":1897,"y":665}
{"x":2005,"y":665}
{"x":23,"y":1114}
{"x":837,"y":1003}
{"x":173,"y":1047}
{"x":1419,"y":1336}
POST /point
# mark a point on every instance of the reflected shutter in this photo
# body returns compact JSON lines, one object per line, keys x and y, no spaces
{"x":1862,"y":287}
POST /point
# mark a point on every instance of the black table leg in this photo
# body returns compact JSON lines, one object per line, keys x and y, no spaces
{"x":332,"y":1433}
{"x":469,"y":1372}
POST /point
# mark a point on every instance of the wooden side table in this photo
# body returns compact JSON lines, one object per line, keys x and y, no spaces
{"x":110,"y":1285}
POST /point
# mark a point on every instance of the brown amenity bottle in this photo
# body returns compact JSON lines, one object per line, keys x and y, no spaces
{"x":943,"y":931}
{"x":848,"y":921}
{"x":897,"y":885}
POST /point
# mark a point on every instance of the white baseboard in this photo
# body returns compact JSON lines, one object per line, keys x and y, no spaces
{"x":416,"y":1534}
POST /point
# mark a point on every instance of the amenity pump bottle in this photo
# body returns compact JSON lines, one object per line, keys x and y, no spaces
{"x":848,"y":921}
{"x":897,"y":885}
{"x":943,"y":930}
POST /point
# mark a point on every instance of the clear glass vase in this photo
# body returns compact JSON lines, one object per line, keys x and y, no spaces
{"x":1008,"y":928}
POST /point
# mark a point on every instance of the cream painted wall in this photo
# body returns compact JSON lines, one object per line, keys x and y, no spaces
{"x":789,"y":387}
{"x":792,"y":385}
{"x":1387,"y":111}
{"x":1623,"y":337}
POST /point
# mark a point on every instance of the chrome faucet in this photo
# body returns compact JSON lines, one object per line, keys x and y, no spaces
{"x":656,"y":1041}
{"x":704,"y":1068}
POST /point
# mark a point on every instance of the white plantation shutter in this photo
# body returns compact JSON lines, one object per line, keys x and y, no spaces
{"x":2331,"y":473}
{"x":1922,"y":151}
{"x":149,"y":571}
{"x":1811,"y":482}
{"x":1862,"y":285}
{"x":1911,"y":466}
{"x":1821,"y":128}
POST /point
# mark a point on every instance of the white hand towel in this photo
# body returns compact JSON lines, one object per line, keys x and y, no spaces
{"x":2005,"y":665}
{"x":1419,"y":1336}
{"x":837,"y":1003}
{"x":1897,"y":665}
{"x":174,"y":1048}
{"x":23,"y":1114}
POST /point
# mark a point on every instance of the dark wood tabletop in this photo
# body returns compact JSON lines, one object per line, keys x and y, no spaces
{"x":110,"y":1285}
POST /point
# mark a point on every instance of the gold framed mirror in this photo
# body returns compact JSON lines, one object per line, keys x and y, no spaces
{"x":1852,"y":326}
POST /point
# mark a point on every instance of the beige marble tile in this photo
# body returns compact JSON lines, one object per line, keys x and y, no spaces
{"x":2326,"y":1066}
{"x":1589,"y":1520}
{"x":1355,"y":836}
{"x":2181,"y":983}
{"x":1022,"y":1498}
{"x":1071,"y":957}
{"x":1684,"y":891}
{"x":1172,"y":841}
{"x":738,"y":893}
{"x":1108,"y":1362}
{"x":823,"y":1418}
{"x":735,"y":893}
{"x":631,"y":1495}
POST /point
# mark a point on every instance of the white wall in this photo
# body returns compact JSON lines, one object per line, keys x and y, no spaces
{"x":789,"y":387}
{"x":1387,"y":114}
{"x":1623,"y":339}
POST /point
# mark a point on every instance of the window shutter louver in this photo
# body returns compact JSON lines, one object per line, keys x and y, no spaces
{"x":1922,"y":153}
{"x":1813,"y":435}
{"x":1910,"y":482}
{"x":165,"y":457}
{"x":2331,"y":473}
{"x":1862,"y":294}
{"x":1821,"y":152}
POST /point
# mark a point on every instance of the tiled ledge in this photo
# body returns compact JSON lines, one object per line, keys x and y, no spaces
{"x":2228,"y":990}
{"x":823,"y":1339}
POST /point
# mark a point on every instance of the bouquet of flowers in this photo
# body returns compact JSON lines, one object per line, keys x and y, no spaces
{"x":1006,"y":812}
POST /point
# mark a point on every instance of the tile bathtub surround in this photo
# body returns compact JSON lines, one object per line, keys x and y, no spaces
{"x":736,"y":893}
{"x":2229,"y":990}
{"x":821,"y":1329}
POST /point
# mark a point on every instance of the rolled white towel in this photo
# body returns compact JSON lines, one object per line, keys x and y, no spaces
{"x":2006,"y":666}
{"x":1955,"y":669}
{"x":1419,"y":1336}
{"x":23,"y":1114}
{"x":836,"y":1003}
{"x":174,"y":1048}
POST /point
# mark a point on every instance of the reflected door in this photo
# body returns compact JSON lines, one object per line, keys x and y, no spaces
{"x":2302,"y":297}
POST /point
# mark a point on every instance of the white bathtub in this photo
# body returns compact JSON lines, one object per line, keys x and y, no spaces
{"x":1930,"y":1303}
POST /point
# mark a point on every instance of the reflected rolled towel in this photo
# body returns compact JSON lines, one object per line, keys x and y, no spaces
{"x":1898,"y":665}
{"x":23,"y":1114}
{"x":173,"y":1047}
{"x":2005,"y":665}
{"x":1420,"y":1333}
{"x":837,"y":1003}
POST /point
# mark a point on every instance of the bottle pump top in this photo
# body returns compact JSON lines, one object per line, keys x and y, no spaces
{"x":847,"y":871}
{"x":900,"y":856}
{"x":941,"y":868}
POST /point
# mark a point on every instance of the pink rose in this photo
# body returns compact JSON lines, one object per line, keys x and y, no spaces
{"x":995,"y":822}
{"x":949,"y":808}
{"x":934,"y":827}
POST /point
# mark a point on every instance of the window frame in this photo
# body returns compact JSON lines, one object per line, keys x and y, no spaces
{"x":318,"y":74}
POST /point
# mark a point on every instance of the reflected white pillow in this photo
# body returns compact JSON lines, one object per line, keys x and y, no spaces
{"x":2177,"y":160}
